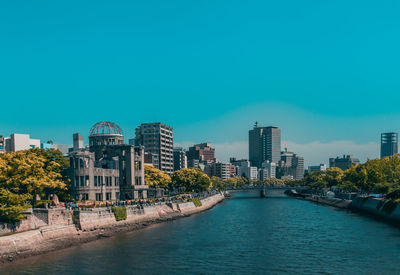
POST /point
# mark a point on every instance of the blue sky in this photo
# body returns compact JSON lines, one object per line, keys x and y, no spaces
{"x":326,"y":72}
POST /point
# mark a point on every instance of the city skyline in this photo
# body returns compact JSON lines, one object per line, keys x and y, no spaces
{"x":224,"y":151}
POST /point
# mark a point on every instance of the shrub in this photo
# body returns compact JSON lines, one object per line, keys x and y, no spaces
{"x":119,"y":213}
{"x":196,"y":202}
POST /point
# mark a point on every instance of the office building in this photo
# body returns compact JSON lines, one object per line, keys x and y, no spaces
{"x":180,"y":159}
{"x":2,"y":145}
{"x":244,"y":169}
{"x":219,"y":169}
{"x":157,"y":138}
{"x":19,"y":142}
{"x":264,"y":144}
{"x":267,"y":170}
{"x":322,"y":167}
{"x":202,"y":152}
{"x":343,"y":163}
{"x":290,"y":166}
{"x":389,"y":144}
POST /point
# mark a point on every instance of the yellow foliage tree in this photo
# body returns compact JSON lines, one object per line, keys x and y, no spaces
{"x":156,"y":178}
{"x":23,"y":175}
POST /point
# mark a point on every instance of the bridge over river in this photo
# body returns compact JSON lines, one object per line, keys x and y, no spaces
{"x":268,"y":191}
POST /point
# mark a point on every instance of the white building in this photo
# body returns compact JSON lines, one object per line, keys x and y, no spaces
{"x":268,"y":170}
{"x":19,"y":142}
{"x":321,"y":167}
{"x":244,"y":169}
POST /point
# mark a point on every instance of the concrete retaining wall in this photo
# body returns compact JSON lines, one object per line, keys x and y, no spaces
{"x":37,"y":218}
{"x":189,"y":208}
{"x":340,"y":203}
{"x":375,"y":206}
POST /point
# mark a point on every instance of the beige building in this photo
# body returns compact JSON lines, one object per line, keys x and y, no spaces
{"x":157,"y":139}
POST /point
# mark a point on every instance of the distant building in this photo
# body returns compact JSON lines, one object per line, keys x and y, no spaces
{"x":157,"y":138}
{"x":219,"y":169}
{"x":78,"y":142}
{"x":151,"y":159}
{"x":343,"y":163}
{"x":2,"y":145}
{"x":19,"y":142}
{"x":195,"y":163}
{"x":389,"y":144}
{"x":321,"y":167}
{"x":264,"y":144}
{"x":244,"y":169}
{"x":180,"y":159}
{"x":267,"y":171}
{"x":291,"y":165}
{"x":108,"y":170}
{"x":63,"y":148}
{"x":202,"y":152}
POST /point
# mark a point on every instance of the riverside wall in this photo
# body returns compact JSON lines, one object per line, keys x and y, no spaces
{"x":377,"y":207}
{"x":77,"y":227}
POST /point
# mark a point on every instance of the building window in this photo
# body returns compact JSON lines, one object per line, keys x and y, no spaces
{"x":108,"y":196}
{"x":76,"y":181}
{"x":81,"y":164}
{"x":101,"y":180}
{"x":116,"y":181}
{"x":106,"y":181}
{"x":86,"y":180}
{"x":82,"y":181}
{"x":99,"y":197}
{"x":85,"y":197}
{"x":117,"y":195}
{"x":95,"y":180}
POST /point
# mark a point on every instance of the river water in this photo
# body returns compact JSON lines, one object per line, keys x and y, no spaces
{"x":244,"y":235}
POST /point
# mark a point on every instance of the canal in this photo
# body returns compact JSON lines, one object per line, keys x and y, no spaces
{"x":244,"y":235}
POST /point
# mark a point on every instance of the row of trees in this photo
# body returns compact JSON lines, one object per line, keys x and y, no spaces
{"x":26,"y":174}
{"x":191,"y":179}
{"x":375,"y":176}
{"x":184,"y":180}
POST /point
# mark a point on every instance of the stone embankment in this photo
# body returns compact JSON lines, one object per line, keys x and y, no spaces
{"x":376,"y":207}
{"x":340,"y":203}
{"x":77,"y":227}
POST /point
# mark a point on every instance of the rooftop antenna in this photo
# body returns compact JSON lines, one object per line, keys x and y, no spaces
{"x":256,"y":124}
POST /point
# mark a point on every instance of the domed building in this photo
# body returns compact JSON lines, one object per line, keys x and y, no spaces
{"x":105,"y":133}
{"x":107,"y":170}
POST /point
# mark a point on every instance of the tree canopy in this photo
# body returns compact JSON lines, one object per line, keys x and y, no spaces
{"x":191,"y":179}
{"x":156,"y":178}
{"x":25,"y":174}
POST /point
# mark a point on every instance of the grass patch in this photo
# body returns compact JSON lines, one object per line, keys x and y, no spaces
{"x":196,"y":202}
{"x":119,"y":213}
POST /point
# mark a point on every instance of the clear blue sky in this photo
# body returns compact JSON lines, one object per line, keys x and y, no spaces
{"x":324,"y":71}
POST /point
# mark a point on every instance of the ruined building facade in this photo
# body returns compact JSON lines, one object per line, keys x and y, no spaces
{"x":108,"y":169}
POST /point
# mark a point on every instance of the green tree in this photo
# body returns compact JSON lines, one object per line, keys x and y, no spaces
{"x":333,"y":176}
{"x":156,"y":178}
{"x":23,"y":175}
{"x":190,"y":179}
